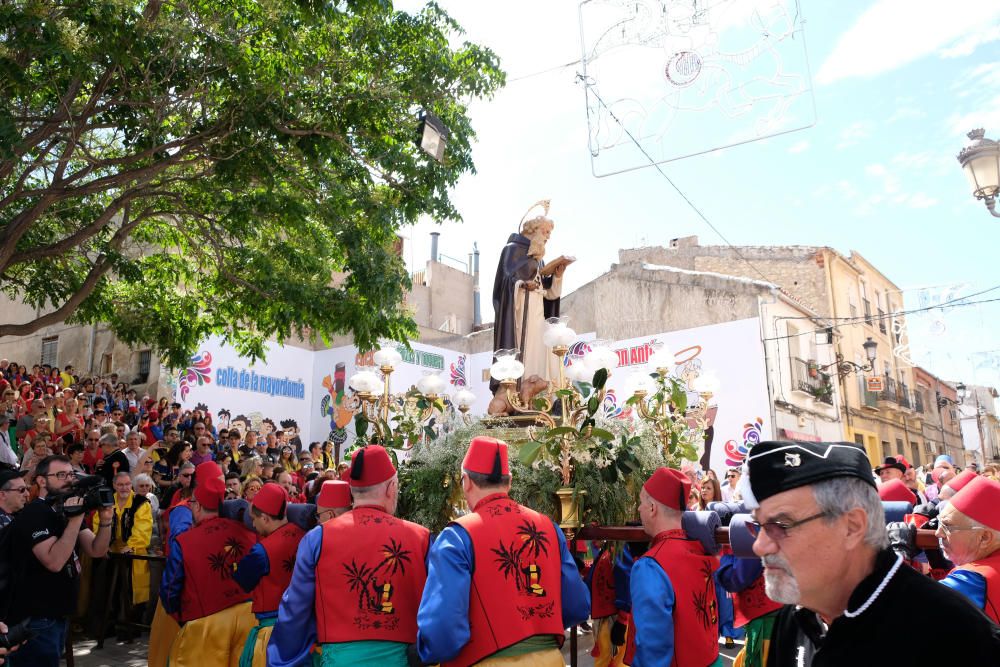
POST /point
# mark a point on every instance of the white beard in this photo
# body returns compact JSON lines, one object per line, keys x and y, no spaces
{"x":780,"y":585}
{"x":536,"y":249}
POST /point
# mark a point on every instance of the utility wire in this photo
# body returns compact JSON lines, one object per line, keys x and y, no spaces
{"x":652,"y":162}
{"x":544,"y":71}
{"x":863,"y":319}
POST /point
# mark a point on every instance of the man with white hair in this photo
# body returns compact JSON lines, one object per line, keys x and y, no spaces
{"x":969,"y":532}
{"x":820,"y":531}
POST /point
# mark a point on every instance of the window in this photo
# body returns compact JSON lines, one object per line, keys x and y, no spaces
{"x":106,"y":363}
{"x":50,"y":347}
{"x":144,"y":360}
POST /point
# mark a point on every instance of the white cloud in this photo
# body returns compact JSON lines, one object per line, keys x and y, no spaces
{"x":965,"y":45}
{"x":854,"y":133}
{"x":798,"y":147}
{"x":987,"y":116}
{"x":894,"y":33}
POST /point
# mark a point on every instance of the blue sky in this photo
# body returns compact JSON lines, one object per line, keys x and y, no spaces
{"x":896,"y":84}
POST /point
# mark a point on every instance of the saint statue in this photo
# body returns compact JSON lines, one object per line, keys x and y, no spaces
{"x":525,"y":294}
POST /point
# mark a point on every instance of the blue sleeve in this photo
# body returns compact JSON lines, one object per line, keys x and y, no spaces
{"x":970,"y":584}
{"x":443,"y":616}
{"x":575,"y":594}
{"x":181,"y":519}
{"x":295,"y":630}
{"x":736,"y":574}
{"x":252,"y":568}
{"x":623,"y":571}
{"x":652,"y":612}
{"x":173,"y":579}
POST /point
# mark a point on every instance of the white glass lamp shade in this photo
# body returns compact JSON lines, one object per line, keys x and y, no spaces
{"x":980,"y":161}
{"x":431,"y":385}
{"x":557,"y":333}
{"x":706,"y":383}
{"x":506,"y":367}
{"x":365,"y":382}
{"x":577,"y":371}
{"x":388,"y":356}
{"x":662,"y":357}
{"x":600,"y":356}
{"x":637,"y":382}
{"x":464,"y":398}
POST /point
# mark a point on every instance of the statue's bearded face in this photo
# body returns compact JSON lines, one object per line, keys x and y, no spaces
{"x":538,"y":232}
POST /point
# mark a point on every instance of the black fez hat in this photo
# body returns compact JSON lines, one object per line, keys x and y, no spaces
{"x":891,"y":462}
{"x":778,"y":466}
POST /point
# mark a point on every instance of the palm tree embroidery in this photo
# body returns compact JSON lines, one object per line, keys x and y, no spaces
{"x":704,"y":600}
{"x":224,"y":562}
{"x":372,"y":595}
{"x":510,"y":560}
{"x":289,"y":563}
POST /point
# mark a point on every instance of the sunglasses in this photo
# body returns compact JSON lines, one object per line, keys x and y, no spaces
{"x":778,"y":530}
{"x":731,"y":475}
{"x":186,"y":474}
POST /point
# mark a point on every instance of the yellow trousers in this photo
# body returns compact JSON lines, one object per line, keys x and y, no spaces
{"x":162,"y":633}
{"x":260,"y":647}
{"x":550,"y":658}
{"x":213,"y":641}
{"x":602,"y":644}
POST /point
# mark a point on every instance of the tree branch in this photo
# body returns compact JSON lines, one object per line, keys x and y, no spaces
{"x":64,"y":311}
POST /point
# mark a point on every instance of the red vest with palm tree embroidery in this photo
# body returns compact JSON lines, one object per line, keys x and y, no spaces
{"x":211,"y":550}
{"x":369,"y":577}
{"x":602,"y":586}
{"x":696,"y":609}
{"x":280,"y":546}
{"x":516,"y":589}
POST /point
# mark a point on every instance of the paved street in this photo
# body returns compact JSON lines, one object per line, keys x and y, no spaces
{"x":115,"y":654}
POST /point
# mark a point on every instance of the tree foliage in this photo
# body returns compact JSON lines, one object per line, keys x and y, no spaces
{"x":177,"y":168}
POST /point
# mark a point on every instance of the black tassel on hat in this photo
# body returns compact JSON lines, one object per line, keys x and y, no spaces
{"x":497,"y":472}
{"x":358,"y":464}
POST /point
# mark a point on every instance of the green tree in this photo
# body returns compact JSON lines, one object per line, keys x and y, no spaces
{"x":177,"y":168}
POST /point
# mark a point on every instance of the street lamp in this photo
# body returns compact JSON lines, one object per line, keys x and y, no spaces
{"x":962,"y":391}
{"x":845,"y":367}
{"x":981,"y":162}
{"x":433,"y":136}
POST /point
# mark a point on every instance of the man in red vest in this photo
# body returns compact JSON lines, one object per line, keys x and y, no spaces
{"x":501,"y":584}
{"x":969,"y":531}
{"x":214,"y":611}
{"x":674,"y":606}
{"x":357,"y":580}
{"x":601,"y":581}
{"x":267,"y":569}
{"x":333,"y":500}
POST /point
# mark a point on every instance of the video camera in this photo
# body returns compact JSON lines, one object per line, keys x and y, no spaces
{"x":91,"y":488}
{"x":16,"y":635}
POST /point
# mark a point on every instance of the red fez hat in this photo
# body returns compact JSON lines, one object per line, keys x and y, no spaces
{"x":980,"y":501}
{"x":271,"y":499}
{"x":961,"y":479}
{"x":334,"y":493}
{"x":209,"y":493}
{"x":669,"y":487}
{"x":371,"y":465}
{"x":207,"y":469}
{"x":487,"y":456}
{"x":895,"y":490}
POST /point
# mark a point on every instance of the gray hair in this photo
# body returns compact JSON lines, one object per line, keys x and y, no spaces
{"x":108,"y":439}
{"x":482,"y":480}
{"x":141,"y":478}
{"x":840,"y":495}
{"x":187,"y":465}
{"x":374,"y":489}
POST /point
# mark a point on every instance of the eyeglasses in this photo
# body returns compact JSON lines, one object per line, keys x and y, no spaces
{"x":61,"y":475}
{"x":20,"y":489}
{"x":948,"y":530}
{"x":185,"y":474}
{"x":778,"y":530}
{"x":732,"y":474}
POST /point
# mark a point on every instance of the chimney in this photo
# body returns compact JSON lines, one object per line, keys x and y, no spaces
{"x":434,"y":246}
{"x":477,"y":315}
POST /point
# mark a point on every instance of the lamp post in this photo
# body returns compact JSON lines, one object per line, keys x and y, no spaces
{"x":980,"y":161}
{"x":433,"y":136}
{"x":845,"y":367}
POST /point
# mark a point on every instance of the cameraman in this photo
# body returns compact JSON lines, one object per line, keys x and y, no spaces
{"x":46,"y":569}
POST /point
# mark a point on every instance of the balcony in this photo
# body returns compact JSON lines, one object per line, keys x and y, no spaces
{"x":918,"y":403}
{"x":903,"y":397}
{"x":881,"y":320}
{"x":868,"y":311}
{"x":808,"y":379}
{"x":888,"y":396}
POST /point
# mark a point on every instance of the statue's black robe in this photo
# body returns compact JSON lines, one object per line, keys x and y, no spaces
{"x":515,"y":265}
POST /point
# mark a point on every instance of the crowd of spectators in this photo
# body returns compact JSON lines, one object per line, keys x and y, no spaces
{"x":146,"y":449}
